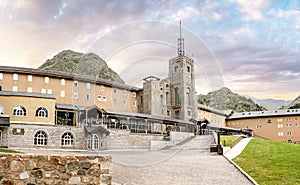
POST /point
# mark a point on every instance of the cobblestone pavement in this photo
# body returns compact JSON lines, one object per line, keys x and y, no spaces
{"x":188,"y":164}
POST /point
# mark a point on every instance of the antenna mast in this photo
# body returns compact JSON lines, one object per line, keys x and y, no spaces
{"x":180,"y":43}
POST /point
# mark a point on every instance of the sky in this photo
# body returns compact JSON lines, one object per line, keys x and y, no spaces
{"x":251,"y":47}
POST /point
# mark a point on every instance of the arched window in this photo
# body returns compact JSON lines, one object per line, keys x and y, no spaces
{"x":93,"y":143}
{"x":40,"y":138}
{"x":177,"y":98}
{"x":41,"y":112}
{"x":19,"y":111}
{"x":188,"y":93}
{"x":67,"y":139}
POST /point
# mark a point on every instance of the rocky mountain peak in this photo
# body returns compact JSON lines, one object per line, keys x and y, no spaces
{"x":88,"y":64}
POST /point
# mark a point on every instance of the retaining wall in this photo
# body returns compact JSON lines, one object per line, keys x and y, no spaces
{"x":54,"y":170}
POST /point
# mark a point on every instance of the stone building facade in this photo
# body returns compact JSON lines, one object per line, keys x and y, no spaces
{"x":174,"y":96}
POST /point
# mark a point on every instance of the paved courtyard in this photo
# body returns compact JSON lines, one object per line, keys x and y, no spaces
{"x":188,"y":164}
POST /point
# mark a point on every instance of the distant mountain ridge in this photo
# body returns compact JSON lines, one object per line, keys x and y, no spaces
{"x":225,"y":99}
{"x":88,"y":64}
{"x":269,"y":104}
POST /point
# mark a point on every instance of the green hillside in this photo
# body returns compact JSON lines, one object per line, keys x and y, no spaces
{"x":295,"y":104}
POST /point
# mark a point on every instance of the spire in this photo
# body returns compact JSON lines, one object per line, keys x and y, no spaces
{"x":180,"y":43}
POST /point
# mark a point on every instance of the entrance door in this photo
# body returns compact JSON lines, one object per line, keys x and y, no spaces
{"x":93,"y":142}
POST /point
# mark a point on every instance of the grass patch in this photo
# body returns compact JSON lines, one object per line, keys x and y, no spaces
{"x":230,"y":140}
{"x":2,"y":150}
{"x":270,"y":162}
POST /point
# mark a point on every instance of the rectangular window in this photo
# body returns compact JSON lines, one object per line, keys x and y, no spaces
{"x":280,"y":125}
{"x":258,"y":126}
{"x":29,"y":89}
{"x":125,"y":93}
{"x":75,"y":83}
{"x":104,"y":98}
{"x":296,"y":124}
{"x":189,"y":113}
{"x":134,"y":94}
{"x":15,"y":88}
{"x":168,"y":113}
{"x":101,"y":87}
{"x":1,"y":76}
{"x":134,"y":103}
{"x":280,"y":133}
{"x":279,"y":119}
{"x":88,"y":85}
{"x":29,"y":78}
{"x":15,"y":76}
{"x":62,"y":93}
{"x":75,"y":95}
{"x":88,"y":96}
{"x":0,"y":87}
{"x":125,"y":102}
{"x":43,"y":90}
{"x":175,"y":68}
{"x":62,"y":82}
{"x":115,"y":90}
{"x":99,"y":98}
{"x":289,"y":133}
{"x":288,"y":125}
{"x":46,"y":80}
{"x":115,"y":101}
{"x":49,"y":91}
{"x":177,"y":113}
{"x":188,"y":69}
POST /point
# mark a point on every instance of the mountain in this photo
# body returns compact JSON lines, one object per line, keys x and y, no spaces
{"x":269,"y":104}
{"x":88,"y":64}
{"x":295,"y":104}
{"x":225,"y":99}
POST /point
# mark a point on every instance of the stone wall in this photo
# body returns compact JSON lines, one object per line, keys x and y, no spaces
{"x":26,"y":138}
{"x":54,"y":170}
{"x":175,"y":138}
{"x":123,"y":139}
{"x":180,"y":136}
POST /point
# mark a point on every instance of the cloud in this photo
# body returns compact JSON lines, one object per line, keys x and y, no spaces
{"x":252,"y":10}
{"x":255,"y":42}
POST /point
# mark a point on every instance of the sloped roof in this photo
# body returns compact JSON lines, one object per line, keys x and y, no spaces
{"x":26,"y":94}
{"x":274,"y":113}
{"x":58,"y":74}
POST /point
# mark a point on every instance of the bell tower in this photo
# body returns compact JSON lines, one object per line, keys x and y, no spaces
{"x":182,"y":78}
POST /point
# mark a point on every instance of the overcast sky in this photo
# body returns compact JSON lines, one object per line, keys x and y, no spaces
{"x":250,"y":46}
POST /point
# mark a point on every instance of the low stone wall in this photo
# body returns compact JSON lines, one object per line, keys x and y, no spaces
{"x":123,"y":139}
{"x":180,"y":136}
{"x":52,"y":170}
{"x":175,"y":138}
